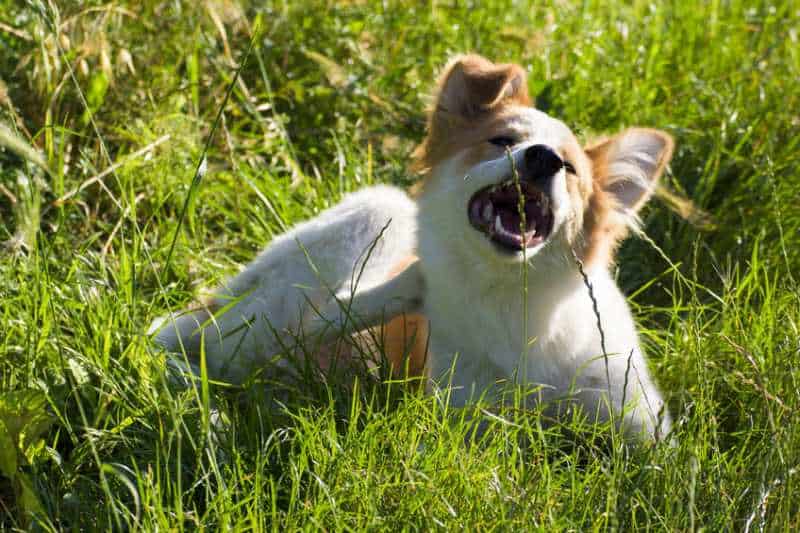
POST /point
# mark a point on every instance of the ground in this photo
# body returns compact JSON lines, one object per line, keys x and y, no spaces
{"x":108,"y":109}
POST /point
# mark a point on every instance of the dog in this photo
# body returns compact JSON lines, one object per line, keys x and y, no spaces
{"x":498,"y":272}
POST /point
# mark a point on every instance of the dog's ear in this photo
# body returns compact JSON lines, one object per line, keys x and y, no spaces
{"x":626,"y":169}
{"x":628,"y":165}
{"x":471,"y":85}
{"x":469,"y":88}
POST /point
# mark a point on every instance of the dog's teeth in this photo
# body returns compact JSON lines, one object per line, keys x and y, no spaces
{"x":488,"y":211}
{"x":498,"y":225}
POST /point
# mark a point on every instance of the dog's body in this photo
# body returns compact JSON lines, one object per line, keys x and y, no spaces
{"x":511,"y":206}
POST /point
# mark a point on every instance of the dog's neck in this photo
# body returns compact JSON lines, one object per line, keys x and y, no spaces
{"x":552,"y":272}
{"x":502,"y":288}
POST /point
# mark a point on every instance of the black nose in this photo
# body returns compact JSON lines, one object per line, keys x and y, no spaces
{"x":541,"y":162}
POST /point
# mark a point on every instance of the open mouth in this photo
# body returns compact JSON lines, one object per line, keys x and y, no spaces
{"x":496,"y":211}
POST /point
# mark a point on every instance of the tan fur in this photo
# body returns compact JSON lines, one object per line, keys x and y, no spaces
{"x":406,"y":338}
{"x":470,"y":92}
{"x":403,"y":341}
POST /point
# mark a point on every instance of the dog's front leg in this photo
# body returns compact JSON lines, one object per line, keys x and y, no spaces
{"x":368,"y":307}
{"x":262,"y":312}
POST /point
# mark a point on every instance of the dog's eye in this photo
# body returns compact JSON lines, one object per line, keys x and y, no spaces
{"x":503,"y":141}
{"x":569,"y":167}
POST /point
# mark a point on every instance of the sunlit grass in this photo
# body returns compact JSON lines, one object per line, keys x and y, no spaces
{"x":119,"y":100}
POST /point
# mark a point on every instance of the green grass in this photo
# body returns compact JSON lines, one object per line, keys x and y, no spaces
{"x":331,"y":99}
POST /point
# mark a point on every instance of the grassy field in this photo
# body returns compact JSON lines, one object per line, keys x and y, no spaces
{"x":106,"y":111}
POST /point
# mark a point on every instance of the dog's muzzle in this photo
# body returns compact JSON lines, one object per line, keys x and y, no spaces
{"x":518,"y":215}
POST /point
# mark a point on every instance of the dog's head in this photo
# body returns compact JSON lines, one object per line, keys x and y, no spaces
{"x":506,"y":181}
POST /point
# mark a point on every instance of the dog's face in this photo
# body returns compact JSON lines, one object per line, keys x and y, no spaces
{"x":506,"y":182}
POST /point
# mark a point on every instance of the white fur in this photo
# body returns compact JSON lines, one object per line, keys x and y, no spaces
{"x":473,"y":295}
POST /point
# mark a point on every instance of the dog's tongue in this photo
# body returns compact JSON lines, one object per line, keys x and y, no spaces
{"x":495,"y":211}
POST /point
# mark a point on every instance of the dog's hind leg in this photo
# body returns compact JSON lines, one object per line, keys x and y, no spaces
{"x":258,"y":313}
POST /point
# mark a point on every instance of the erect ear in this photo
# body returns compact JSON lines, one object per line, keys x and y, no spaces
{"x":629,"y":165}
{"x":472,"y":84}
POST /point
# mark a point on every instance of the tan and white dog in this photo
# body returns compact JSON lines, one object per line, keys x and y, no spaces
{"x":482,"y":269}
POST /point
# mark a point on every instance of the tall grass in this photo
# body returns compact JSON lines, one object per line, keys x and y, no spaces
{"x":119,"y":99}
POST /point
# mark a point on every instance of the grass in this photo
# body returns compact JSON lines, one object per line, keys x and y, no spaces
{"x":119,"y":99}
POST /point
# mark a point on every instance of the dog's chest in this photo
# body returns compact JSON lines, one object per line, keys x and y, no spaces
{"x":479,"y":340}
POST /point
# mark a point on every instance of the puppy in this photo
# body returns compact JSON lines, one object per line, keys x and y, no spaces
{"x":498,"y":272}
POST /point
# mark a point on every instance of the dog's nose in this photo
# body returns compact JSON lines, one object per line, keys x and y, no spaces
{"x":541,"y":162}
